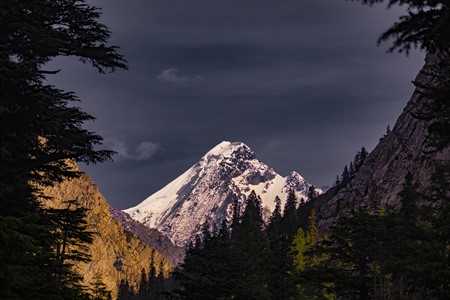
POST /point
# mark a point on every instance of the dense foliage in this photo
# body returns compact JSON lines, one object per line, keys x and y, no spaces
{"x":228,"y":263}
{"x":41,"y":129}
{"x":153,"y":285}
{"x":368,"y":254}
{"x":425,"y":26}
{"x":388,"y":254}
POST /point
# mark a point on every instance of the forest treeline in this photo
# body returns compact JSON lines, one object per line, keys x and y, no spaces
{"x":371,"y":253}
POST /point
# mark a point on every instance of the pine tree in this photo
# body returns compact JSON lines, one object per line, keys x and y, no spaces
{"x":125,"y":291}
{"x":405,"y":253}
{"x":160,"y":281}
{"x":306,"y":260}
{"x":250,"y":278}
{"x":299,"y":249}
{"x":72,"y":238}
{"x":345,"y":175}
{"x":40,"y":130}
{"x":350,"y":255}
{"x":52,"y":131}
{"x":351,"y":170}
{"x":359,"y":159}
{"x":337,"y":182}
{"x":274,"y":227}
{"x":312,"y":236}
{"x":418,"y":252}
{"x":425,"y":26}
{"x":279,"y":283}
{"x":312,"y":194}
{"x":289,"y":222}
{"x":152,"y":281}
{"x":144,"y":286}
{"x":362,"y":157}
{"x":99,"y":290}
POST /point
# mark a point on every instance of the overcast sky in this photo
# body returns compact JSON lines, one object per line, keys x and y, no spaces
{"x":302,"y":83}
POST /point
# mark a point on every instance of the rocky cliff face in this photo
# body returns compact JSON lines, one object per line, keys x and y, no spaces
{"x":382,"y":176}
{"x":116,"y":254}
{"x":150,"y":236}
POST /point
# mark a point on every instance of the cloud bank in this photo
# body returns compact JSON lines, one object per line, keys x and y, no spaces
{"x":144,"y":151}
{"x":171,"y":75}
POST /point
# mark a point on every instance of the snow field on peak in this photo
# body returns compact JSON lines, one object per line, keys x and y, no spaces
{"x":224,"y":149}
{"x":155,"y":206}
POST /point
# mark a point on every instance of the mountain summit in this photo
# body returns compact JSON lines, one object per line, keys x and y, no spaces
{"x":207,"y":191}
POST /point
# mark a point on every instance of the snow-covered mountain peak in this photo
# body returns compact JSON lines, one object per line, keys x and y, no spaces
{"x":225,"y":148}
{"x":295,"y":180}
{"x":206,"y":192}
{"x":296,"y":176}
{"x":228,"y":150}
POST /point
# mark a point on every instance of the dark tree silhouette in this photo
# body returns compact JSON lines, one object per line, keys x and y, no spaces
{"x":41,"y":130}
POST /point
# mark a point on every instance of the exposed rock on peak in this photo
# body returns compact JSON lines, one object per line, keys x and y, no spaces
{"x":151,"y":237}
{"x":116,"y":254}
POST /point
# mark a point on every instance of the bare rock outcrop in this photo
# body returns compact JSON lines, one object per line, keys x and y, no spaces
{"x":150,"y":236}
{"x":382,"y":176}
{"x":116,"y":254}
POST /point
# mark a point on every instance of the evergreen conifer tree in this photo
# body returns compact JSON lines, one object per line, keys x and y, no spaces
{"x":99,"y":291}
{"x":289,"y":221}
{"x":250,"y":258}
{"x":439,"y":280}
{"x":72,"y":238}
{"x":144,"y":287}
{"x":351,"y":170}
{"x":274,"y":226}
{"x":125,"y":291}
{"x":312,"y":193}
{"x":279,"y":283}
{"x":345,"y":175}
{"x":337,"y":182}
{"x":350,"y":256}
{"x":306,"y":260}
{"x":40,"y":130}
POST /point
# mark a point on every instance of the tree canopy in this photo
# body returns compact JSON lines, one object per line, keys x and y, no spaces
{"x":41,"y":130}
{"x":426,"y":25}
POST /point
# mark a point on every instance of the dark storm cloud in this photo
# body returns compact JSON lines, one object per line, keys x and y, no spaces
{"x":301,"y":82}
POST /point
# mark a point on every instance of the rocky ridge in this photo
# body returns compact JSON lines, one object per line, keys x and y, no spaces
{"x":116,"y":254}
{"x":151,"y":237}
{"x":381,"y":178}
